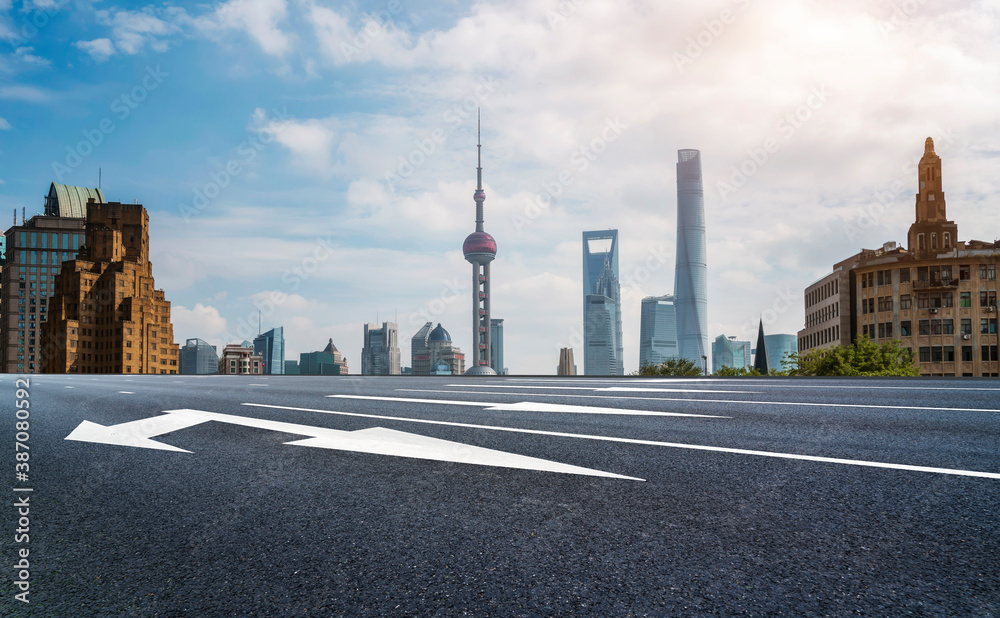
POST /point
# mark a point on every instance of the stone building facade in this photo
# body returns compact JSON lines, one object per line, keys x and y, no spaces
{"x":938,"y":295}
{"x":105,"y":314}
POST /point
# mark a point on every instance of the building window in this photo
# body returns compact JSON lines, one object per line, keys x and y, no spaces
{"x":947,"y":299}
{"x":936,"y":354}
{"x":904,"y":328}
{"x":923,"y":301}
{"x":989,"y":353}
{"x":966,"y":353}
{"x":925,"y":355}
{"x":934,"y":241}
{"x":935,"y":327}
{"x":947,"y":240}
{"x":948,"y":326}
{"x":904,"y":275}
{"x":949,"y":354}
{"x":924,"y":327}
{"x":965,"y":299}
{"x":966,"y":326}
{"x":920,"y":242}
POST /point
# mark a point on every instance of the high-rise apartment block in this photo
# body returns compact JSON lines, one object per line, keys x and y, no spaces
{"x":603,"y":349}
{"x":657,"y":330}
{"x":33,"y":254}
{"x":938,"y":295}
{"x":106,"y":315}
{"x":270,"y":346}
{"x":691,"y":267}
{"x":380,"y":356}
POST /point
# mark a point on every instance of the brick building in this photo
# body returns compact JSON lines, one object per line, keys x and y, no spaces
{"x":938,"y":295}
{"x":105,"y":314}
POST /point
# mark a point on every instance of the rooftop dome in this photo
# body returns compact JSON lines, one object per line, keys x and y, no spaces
{"x":439,"y":334}
{"x":479,"y":243}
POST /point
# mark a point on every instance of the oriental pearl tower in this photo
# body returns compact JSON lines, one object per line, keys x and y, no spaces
{"x":480,"y":249}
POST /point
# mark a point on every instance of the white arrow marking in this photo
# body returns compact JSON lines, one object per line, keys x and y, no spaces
{"x":530,"y":406}
{"x":377,"y":440}
{"x":695,"y":447}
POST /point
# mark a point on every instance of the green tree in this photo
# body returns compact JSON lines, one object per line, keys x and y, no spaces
{"x":670,"y":367}
{"x":863,"y":358}
{"x":728,"y":371}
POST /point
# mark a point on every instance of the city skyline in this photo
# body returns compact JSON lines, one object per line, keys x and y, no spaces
{"x":330,"y":155}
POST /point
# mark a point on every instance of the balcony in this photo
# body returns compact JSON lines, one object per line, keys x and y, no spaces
{"x":935,"y":285}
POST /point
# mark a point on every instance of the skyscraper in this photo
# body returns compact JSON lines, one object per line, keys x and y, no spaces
{"x":566,"y":365}
{"x":380,"y":356}
{"x":657,"y":330}
{"x":270,"y":346}
{"x":690,"y":289}
{"x":496,"y":346}
{"x":603,"y":327}
{"x":480,"y":249}
{"x":603,"y":350}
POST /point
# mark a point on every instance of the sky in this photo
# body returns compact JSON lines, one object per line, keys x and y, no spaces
{"x":313,"y":163}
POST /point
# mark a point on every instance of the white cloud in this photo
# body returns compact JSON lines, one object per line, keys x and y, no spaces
{"x":28,"y":94}
{"x":24,"y":54}
{"x":202,"y":321}
{"x":4,"y":125}
{"x":99,"y":49}
{"x":258,"y":18}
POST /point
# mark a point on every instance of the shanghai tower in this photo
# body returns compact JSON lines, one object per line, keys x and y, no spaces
{"x":480,"y":249}
{"x":690,"y":288}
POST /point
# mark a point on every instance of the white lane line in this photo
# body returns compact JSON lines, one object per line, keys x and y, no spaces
{"x":126,"y":392}
{"x":690,"y":400}
{"x":530,"y":406}
{"x":591,"y":388}
{"x":257,"y":385}
{"x":694,"y":447}
{"x":764,"y":384}
{"x":67,"y":387}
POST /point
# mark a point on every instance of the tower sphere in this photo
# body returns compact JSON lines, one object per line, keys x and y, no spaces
{"x":480,"y":247}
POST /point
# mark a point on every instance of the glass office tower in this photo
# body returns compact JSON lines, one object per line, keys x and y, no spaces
{"x":691,"y":271}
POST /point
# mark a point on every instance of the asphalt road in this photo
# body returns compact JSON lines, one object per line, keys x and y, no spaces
{"x":505,"y":496}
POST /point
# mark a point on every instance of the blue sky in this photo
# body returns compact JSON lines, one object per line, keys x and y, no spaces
{"x":315,"y":161}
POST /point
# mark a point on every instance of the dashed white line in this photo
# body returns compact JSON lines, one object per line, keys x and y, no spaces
{"x":126,"y":392}
{"x":530,"y":406}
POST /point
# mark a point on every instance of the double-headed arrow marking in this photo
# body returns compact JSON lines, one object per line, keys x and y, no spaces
{"x":377,"y":440}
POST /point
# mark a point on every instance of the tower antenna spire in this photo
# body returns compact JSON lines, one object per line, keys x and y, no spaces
{"x":479,"y":147}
